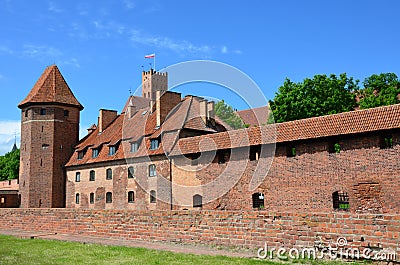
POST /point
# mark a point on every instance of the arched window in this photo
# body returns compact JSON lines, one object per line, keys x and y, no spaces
{"x":108,"y":197}
{"x":197,"y":201}
{"x":77,"y":198}
{"x":131,"y":196}
{"x":91,"y":198}
{"x":109,"y":173}
{"x":77,"y":176}
{"x":258,"y":200}
{"x":153,"y":196}
{"x":92,"y":175}
{"x":131,"y":173}
{"x":340,"y":200}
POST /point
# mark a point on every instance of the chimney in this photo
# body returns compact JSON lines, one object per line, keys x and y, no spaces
{"x":92,"y":128}
{"x":106,"y":117}
{"x":131,"y":109}
{"x":203,"y":110}
{"x":165,"y":102}
{"x":211,"y":112}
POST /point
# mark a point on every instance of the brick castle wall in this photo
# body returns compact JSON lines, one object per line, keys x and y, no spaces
{"x":248,"y":229}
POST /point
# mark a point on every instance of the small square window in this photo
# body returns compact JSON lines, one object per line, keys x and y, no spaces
{"x":95,"y":153}
{"x":109,"y":174}
{"x":131,"y":173}
{"x":92,"y":175}
{"x":154,"y":144}
{"x":254,"y":152}
{"x":112,"y":150}
{"x":78,"y":177}
{"x":66,"y":113}
{"x":134,"y":147}
{"x":81,"y":154}
{"x":108,"y":197}
{"x":42,"y":111}
{"x":152,"y":170}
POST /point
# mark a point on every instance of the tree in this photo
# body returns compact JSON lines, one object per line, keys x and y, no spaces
{"x":228,"y":115}
{"x":380,"y":90}
{"x":9,"y":165}
{"x":319,"y":96}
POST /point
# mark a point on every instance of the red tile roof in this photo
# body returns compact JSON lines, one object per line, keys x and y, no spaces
{"x":359,"y":121}
{"x":141,"y":128}
{"x":51,"y":88}
{"x":255,"y":116}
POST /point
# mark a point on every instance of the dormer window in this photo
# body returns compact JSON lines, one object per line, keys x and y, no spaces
{"x":134,"y":147}
{"x":112,"y":149}
{"x":81,"y":154}
{"x":154,"y":144}
{"x":95,"y":152}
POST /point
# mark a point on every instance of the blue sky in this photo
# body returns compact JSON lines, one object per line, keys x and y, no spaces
{"x":99,"y":46}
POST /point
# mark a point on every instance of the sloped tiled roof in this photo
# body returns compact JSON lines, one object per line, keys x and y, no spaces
{"x":255,"y":116}
{"x":359,"y":121}
{"x":140,"y":128}
{"x":51,"y":88}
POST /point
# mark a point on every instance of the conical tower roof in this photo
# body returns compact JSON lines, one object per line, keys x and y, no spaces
{"x":51,"y":88}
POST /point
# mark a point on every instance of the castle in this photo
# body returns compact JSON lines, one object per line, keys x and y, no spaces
{"x":165,"y":152}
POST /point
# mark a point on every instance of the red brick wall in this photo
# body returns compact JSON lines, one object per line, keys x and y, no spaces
{"x":249,"y":229}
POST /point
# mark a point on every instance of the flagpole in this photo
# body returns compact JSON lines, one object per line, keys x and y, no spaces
{"x":154,"y":62}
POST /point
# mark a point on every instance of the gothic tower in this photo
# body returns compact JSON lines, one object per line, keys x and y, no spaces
{"x":49,"y":131}
{"x":152,"y":82}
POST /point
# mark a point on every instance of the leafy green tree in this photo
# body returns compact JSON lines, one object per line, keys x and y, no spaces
{"x":321,"y":95}
{"x":380,"y":90}
{"x":228,"y":115}
{"x":9,"y":165}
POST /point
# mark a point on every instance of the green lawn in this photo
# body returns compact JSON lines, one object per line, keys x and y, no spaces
{"x":35,"y":251}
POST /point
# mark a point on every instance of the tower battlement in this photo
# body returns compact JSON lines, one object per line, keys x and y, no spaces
{"x":153,"y":81}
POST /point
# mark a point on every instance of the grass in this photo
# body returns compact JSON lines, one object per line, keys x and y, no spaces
{"x":36,"y":251}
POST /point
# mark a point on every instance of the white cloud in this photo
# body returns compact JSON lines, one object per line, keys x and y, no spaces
{"x":129,"y":4}
{"x":224,"y":49}
{"x":41,"y":51}
{"x":54,"y":8}
{"x":165,"y":42}
{"x":5,"y":49}
{"x":8,"y":130}
{"x":72,"y":61}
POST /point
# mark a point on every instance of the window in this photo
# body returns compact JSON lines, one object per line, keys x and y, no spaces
{"x":45,"y":146}
{"x":197,"y":201}
{"x":66,"y":113}
{"x":91,"y":198}
{"x":131,"y":173}
{"x":153,"y":196}
{"x":42,"y":111}
{"x":152,"y":170}
{"x":154,"y":144}
{"x":108,"y":197}
{"x":26,"y":113}
{"x":3,"y":200}
{"x":255,"y":152}
{"x":340,"y":200}
{"x":258,"y":200}
{"x":77,"y":198}
{"x":131,"y":197}
{"x":386,"y":141}
{"x":81,"y":154}
{"x":78,"y":177}
{"x":92,"y":175}
{"x":134,"y":147}
{"x":95,"y":153}
{"x":111,"y":150}
{"x":222,"y":156}
{"x":291,"y":151}
{"x":334,"y":147}
{"x":109,"y":173}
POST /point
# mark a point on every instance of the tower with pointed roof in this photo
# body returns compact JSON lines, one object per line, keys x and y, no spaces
{"x":49,"y":131}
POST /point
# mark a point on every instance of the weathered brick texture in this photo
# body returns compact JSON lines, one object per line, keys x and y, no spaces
{"x":249,"y":229}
